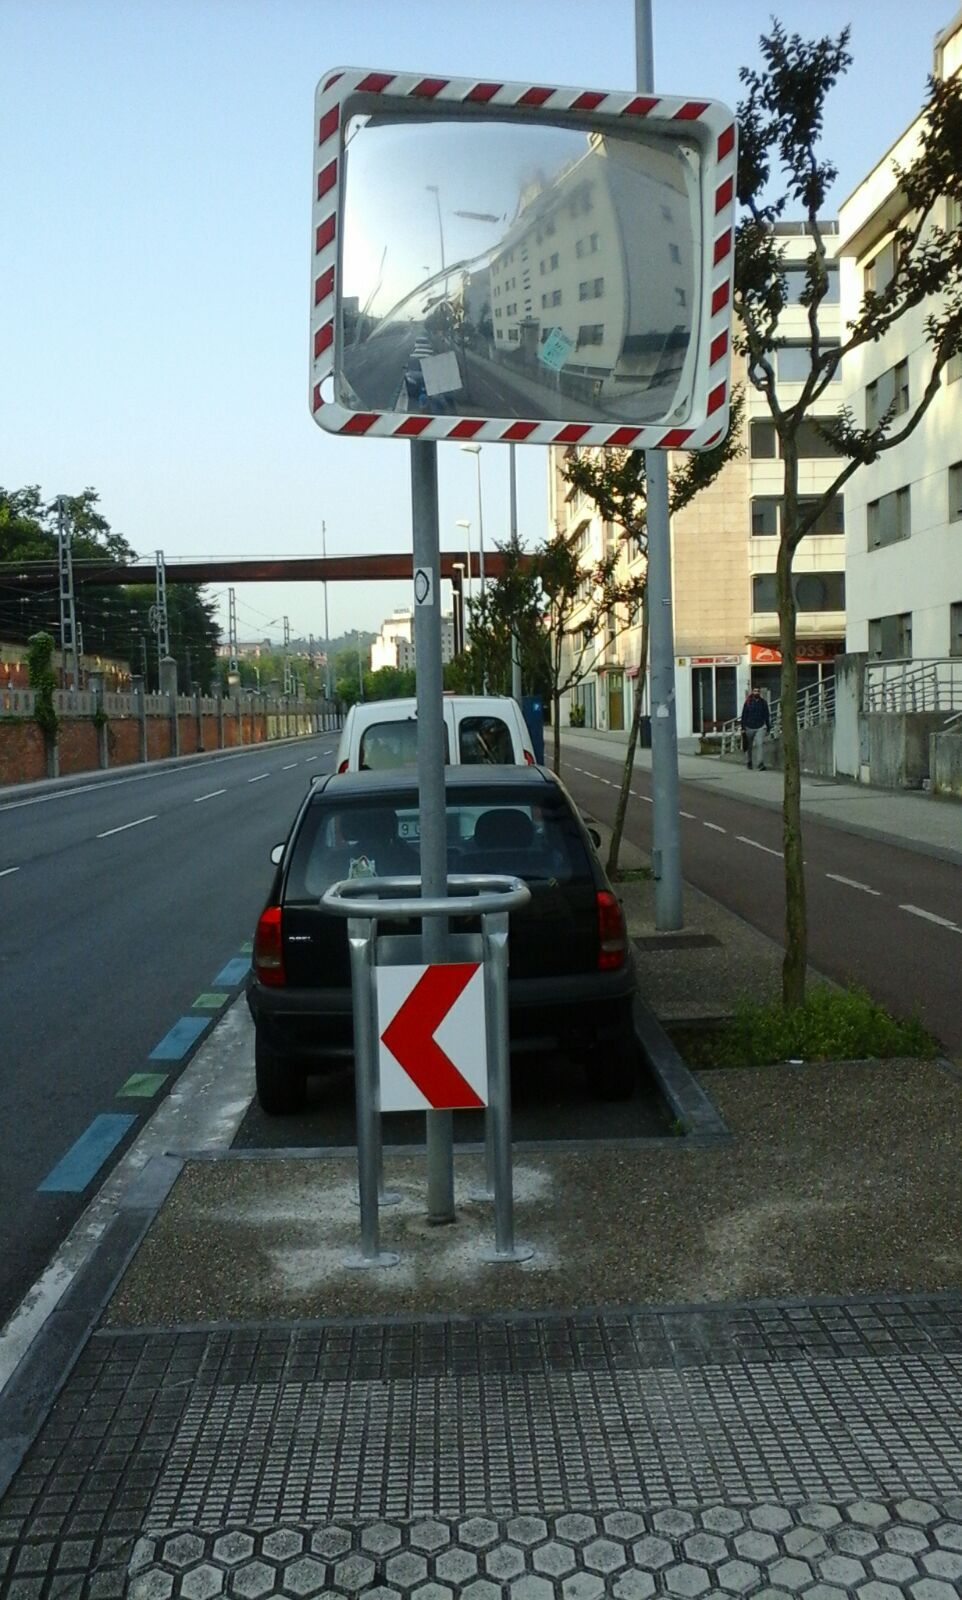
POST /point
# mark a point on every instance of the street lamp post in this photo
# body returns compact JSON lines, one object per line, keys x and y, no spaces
{"x":327,"y":626}
{"x":457,"y":597}
{"x":463,"y":523}
{"x":475,"y":450}
{"x":432,"y":188}
{"x":360,"y":670}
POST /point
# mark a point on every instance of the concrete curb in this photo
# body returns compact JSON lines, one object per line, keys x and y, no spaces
{"x":678,"y":1085}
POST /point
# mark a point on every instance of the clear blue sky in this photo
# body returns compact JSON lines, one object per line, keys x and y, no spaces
{"x":155,"y":173}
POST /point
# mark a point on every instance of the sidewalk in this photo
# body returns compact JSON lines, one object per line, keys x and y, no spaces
{"x":906,"y":817}
{"x":733,"y":1365}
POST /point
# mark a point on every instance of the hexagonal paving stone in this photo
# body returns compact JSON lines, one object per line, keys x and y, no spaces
{"x":253,"y":1580}
{"x":893,"y":1567}
{"x":804,"y":1542}
{"x":868,"y":1513}
{"x":576,"y":1527}
{"x":722,"y":1519}
{"x":949,"y":1535}
{"x":482,"y":1589}
{"x":143,"y":1554}
{"x":554,"y":1558}
{"x":652,"y":1552}
{"x":674,"y":1522}
{"x":583,"y":1586}
{"x":755,"y":1546}
{"x":478,"y":1532}
{"x":406,"y":1569}
{"x":919,"y":1511}
{"x":456,"y":1565}
{"x":152,"y":1585}
{"x":706,"y":1548}
{"x":907,"y":1541}
{"x":527,"y":1530}
{"x":856,"y":1542}
{"x":791,"y":1574}
{"x":623,"y":1524}
{"x":815,"y":1515}
{"x":504,"y":1561}
{"x":330,"y":1542}
{"x":183,"y":1550}
{"x":354,"y":1571}
{"x":382,"y":1592}
{"x":634,"y":1586}
{"x":818,"y":1591}
{"x":944,"y":1564}
{"x":233,"y":1547}
{"x":842,"y":1570}
{"x":531,"y":1587}
{"x":737,"y":1577}
{"x":933,"y":1589}
{"x":305,"y":1576}
{"x":876,"y":1590}
{"x":687,"y":1580}
{"x":429,"y":1535}
{"x":203,"y":1582}
{"x":433,"y":1591}
{"x":604,"y":1555}
{"x":381,"y":1538}
{"x":770,"y":1519}
{"x":283,"y":1544}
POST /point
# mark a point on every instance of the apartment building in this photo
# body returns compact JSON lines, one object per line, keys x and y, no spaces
{"x":903,"y":512}
{"x":724,"y":549}
{"x":394,"y":645}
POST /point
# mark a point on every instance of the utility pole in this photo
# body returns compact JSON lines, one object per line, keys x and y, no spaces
{"x":158,"y":615}
{"x":513,"y":506}
{"x":327,"y":626}
{"x":143,"y":652}
{"x":666,"y":851}
{"x":68,"y":614}
{"x":287,"y":656}
{"x":232,"y":662}
{"x":360,"y":670}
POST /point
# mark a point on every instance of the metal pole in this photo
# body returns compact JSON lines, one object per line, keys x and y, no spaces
{"x":498,"y":1114}
{"x":666,"y":850}
{"x":484,"y":676}
{"x":360,"y":670}
{"x":327,"y":626}
{"x":68,"y":613}
{"x":513,"y":502}
{"x":361,"y":933}
{"x":431,"y":801}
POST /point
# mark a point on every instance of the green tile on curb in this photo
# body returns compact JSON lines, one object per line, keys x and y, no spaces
{"x":141,"y":1085}
{"x":211,"y":1001}
{"x":247,"y":949}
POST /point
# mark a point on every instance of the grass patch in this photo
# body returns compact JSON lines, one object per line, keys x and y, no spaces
{"x":632,"y":875}
{"x":832,"y":1025}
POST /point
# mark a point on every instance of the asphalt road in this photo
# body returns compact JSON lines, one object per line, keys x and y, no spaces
{"x":120,"y":903}
{"x":885,"y":917}
{"x":375,"y":369}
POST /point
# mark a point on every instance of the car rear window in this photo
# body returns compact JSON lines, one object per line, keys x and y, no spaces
{"x":387,"y":745}
{"x":491,"y":832}
{"x":485,"y":741}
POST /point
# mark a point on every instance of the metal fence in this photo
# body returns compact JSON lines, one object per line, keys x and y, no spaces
{"x":930,"y":684}
{"x":814,"y":705}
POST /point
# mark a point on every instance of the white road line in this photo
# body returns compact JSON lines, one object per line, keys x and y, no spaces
{"x":689,"y":814}
{"x":756,"y":846}
{"x":6,"y":871}
{"x":260,"y":775}
{"x":716,"y":827}
{"x":852,"y":883}
{"x":211,"y":796}
{"x":140,"y":777}
{"x":290,"y":766}
{"x":930,"y":916}
{"x":309,"y":758}
{"x":125,"y":825}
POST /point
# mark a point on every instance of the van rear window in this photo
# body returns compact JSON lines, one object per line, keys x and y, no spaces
{"x":388,"y":745}
{"x":484,"y":741}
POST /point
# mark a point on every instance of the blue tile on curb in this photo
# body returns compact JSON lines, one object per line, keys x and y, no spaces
{"x":233,"y":973}
{"x":178,"y":1041}
{"x":84,"y":1159}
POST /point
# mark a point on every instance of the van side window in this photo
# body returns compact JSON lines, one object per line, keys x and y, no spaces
{"x":484,"y":741}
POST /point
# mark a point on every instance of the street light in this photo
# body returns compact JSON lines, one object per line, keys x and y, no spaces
{"x":432,"y":188}
{"x":360,"y":672}
{"x":475,"y":450}
{"x":457,"y":598}
{"x":461,"y":523}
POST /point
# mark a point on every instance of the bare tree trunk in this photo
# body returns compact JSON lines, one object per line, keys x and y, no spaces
{"x":621,"y":809}
{"x":796,"y":912}
{"x":556,"y":730}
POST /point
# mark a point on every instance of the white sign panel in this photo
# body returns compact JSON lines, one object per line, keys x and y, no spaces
{"x":432,"y":1045}
{"x":555,"y":350}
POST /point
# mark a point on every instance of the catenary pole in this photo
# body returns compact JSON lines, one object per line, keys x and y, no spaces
{"x":513,"y":513}
{"x":666,"y":851}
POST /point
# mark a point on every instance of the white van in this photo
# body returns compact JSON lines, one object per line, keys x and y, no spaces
{"x":479,"y":729}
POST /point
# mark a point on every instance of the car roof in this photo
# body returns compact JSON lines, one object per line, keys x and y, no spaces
{"x":403,"y":782}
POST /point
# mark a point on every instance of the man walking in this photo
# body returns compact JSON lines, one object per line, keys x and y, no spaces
{"x":756,"y":722}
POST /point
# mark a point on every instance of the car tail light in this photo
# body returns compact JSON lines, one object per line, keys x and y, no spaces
{"x":529,"y":758}
{"x":268,"y":949}
{"x":612,"y":943}
{"x":343,"y":767}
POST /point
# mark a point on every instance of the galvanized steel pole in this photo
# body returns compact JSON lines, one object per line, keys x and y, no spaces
{"x":666,"y":851}
{"x":515,"y":637}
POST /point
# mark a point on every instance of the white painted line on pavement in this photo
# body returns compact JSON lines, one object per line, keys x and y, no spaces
{"x":852,"y":883}
{"x":213,"y":793}
{"x":756,"y":846}
{"x":5,"y":873}
{"x":260,"y":775}
{"x":309,"y":758}
{"x":930,"y":916}
{"x":290,"y":766}
{"x":125,"y":825}
{"x":716,"y":827}
{"x":689,"y":814}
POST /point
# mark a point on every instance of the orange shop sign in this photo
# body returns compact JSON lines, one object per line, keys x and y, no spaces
{"x":810,"y":650}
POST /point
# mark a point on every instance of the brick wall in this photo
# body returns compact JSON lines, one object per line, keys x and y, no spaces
{"x":123,"y":741}
{"x":21,"y":752}
{"x":77,"y":745}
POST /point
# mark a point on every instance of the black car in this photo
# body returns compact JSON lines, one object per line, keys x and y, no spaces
{"x":571,"y":973}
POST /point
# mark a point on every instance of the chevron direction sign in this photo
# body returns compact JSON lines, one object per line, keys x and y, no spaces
{"x":432,"y":1047}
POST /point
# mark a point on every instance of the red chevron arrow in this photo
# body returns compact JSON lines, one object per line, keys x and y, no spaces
{"x":410,"y":1036}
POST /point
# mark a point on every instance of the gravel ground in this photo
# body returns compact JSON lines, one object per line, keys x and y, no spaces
{"x":840,"y":1179}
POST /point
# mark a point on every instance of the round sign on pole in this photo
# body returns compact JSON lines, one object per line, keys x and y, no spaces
{"x":423,"y":587}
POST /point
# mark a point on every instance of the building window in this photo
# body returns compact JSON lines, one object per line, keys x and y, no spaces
{"x":591,"y":289}
{"x":890,"y":638}
{"x":813,"y":591}
{"x":674,"y":253}
{"x":544,"y":301}
{"x":591,"y":333}
{"x":666,"y":213}
{"x":552,"y":264}
{"x":556,"y":297}
{"x":830,"y":520}
{"x":681,"y":298}
{"x":880,"y":271}
{"x":889,"y":519}
{"x":765,"y":516}
{"x":793,"y":362}
{"x":796,"y":279}
{"x":890,"y":392}
{"x":764,"y":445}
{"x":541,"y":266}
{"x":955,"y":492}
{"x":512,"y":335}
{"x":812,"y":443}
{"x":955,"y":629}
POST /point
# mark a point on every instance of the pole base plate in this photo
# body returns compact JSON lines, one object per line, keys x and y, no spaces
{"x":518,"y":1252}
{"x":384,"y":1258}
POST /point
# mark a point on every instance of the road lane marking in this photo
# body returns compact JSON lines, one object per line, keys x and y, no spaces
{"x":125,"y":825}
{"x":756,"y":846}
{"x":260,"y":775}
{"x":230,"y":976}
{"x":87,"y":1155}
{"x":689,"y":814}
{"x":141,"y":1085}
{"x":309,"y":758}
{"x":178,"y":1039}
{"x":852,"y":883}
{"x":716,"y":827}
{"x":5,"y":873}
{"x":930,"y":916}
{"x":290,"y":766}
{"x":210,"y":1000}
{"x":213,"y":794}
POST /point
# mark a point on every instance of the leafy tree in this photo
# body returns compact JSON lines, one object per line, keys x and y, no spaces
{"x":43,"y":682}
{"x":512,"y":606}
{"x":616,"y":481}
{"x":780,"y":122}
